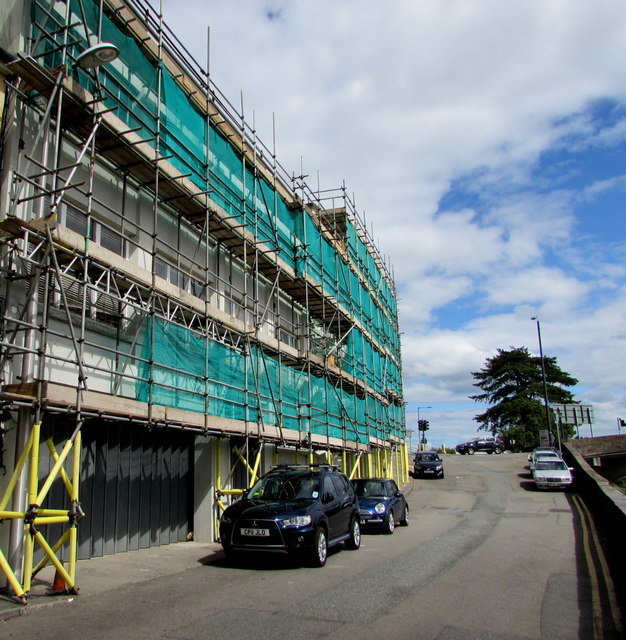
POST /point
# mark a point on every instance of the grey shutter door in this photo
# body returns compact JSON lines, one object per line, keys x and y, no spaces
{"x":136,"y":487}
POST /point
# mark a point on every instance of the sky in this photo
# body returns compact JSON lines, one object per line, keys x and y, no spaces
{"x":484,"y":141}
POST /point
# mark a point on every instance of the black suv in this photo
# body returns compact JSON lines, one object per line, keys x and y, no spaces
{"x":486,"y":443}
{"x":295,"y":509}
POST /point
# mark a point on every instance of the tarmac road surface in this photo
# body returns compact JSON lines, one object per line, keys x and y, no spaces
{"x":486,"y":557}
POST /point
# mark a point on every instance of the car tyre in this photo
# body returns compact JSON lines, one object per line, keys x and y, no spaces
{"x":230,"y":555}
{"x":390,"y":523}
{"x":319,"y":552}
{"x":354,"y":541}
{"x":497,"y":450}
{"x":405,"y":516}
{"x":470,"y":451}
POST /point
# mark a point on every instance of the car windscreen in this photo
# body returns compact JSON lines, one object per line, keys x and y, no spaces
{"x":427,"y":457}
{"x":283,"y":486}
{"x":550,"y":465}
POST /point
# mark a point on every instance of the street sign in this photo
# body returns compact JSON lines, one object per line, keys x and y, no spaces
{"x":544,"y":438}
{"x":574,"y":413}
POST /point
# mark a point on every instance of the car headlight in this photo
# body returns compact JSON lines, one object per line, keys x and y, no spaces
{"x":380,"y":508}
{"x":439,"y":467}
{"x":225,"y":519}
{"x":297,"y":521}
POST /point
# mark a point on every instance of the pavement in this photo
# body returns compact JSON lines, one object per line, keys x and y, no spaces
{"x":98,"y":575}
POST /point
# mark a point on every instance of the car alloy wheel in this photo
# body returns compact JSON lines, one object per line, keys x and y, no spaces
{"x":354,"y":541}
{"x":497,"y":450}
{"x":470,"y":451}
{"x":319,"y":552}
{"x":390,"y":524}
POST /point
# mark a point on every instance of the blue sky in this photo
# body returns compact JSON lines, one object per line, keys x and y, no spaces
{"x":485,"y":142}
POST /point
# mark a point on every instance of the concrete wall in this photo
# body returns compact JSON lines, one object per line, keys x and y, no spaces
{"x":606,"y":455}
{"x":606,"y":502}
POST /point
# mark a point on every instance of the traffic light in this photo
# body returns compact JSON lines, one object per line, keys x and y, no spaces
{"x":422,"y":425}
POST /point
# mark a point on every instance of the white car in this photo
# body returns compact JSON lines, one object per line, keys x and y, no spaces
{"x":543,"y":455}
{"x":552,"y":474}
{"x":541,"y":449}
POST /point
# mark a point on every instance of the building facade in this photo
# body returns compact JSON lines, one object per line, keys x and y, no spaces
{"x":178,"y":313}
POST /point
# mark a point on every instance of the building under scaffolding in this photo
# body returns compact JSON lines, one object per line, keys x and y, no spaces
{"x":177,"y":312}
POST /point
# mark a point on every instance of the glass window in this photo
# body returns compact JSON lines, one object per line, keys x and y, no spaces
{"x":329,"y":486}
{"x":340,"y":488}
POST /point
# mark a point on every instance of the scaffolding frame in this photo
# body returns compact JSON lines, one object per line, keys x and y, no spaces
{"x":73,"y":280}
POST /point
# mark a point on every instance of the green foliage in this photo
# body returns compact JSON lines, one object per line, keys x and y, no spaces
{"x":512,"y":386}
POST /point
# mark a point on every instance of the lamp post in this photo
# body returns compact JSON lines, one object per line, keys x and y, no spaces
{"x":422,"y":440}
{"x":545,"y":384}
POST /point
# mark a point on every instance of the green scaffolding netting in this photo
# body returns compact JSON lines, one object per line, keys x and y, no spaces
{"x":148,"y":99}
{"x":182,"y":370}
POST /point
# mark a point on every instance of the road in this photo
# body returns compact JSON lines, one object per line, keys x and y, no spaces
{"x":485,"y":557}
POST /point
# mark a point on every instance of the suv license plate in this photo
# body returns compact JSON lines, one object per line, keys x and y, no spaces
{"x":255,"y":532}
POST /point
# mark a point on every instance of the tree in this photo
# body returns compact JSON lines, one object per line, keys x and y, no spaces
{"x":512,"y":385}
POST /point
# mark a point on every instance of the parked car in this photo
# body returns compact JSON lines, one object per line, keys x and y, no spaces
{"x":543,"y":455}
{"x":490,"y":444}
{"x":538,"y":449}
{"x":303,"y":509}
{"x":427,"y":463}
{"x":552,"y":474}
{"x":381,"y":504}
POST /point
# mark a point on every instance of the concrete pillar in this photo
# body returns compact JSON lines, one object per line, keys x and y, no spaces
{"x":204,"y":489}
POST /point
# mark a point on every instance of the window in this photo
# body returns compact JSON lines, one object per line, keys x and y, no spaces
{"x":179,"y":278}
{"x":340,"y":486}
{"x":76,"y":220}
{"x":329,"y":486}
{"x":286,"y":337}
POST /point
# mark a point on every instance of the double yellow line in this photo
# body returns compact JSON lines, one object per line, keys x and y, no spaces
{"x":598,"y":572}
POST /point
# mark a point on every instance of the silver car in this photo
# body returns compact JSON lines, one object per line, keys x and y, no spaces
{"x":552,"y":474}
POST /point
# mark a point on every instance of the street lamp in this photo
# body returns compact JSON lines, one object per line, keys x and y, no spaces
{"x":545,"y":384}
{"x":98,"y":53}
{"x":422,"y":440}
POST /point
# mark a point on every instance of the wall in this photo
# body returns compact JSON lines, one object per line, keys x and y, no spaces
{"x":606,"y":502}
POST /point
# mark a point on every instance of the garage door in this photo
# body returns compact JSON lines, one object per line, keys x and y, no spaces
{"x":136,"y":487}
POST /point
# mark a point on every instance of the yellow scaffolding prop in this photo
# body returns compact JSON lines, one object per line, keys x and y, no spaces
{"x":219,"y":491}
{"x":356,"y":468}
{"x":35,"y":516}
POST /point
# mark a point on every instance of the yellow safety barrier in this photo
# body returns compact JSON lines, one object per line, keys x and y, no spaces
{"x":35,"y":516}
